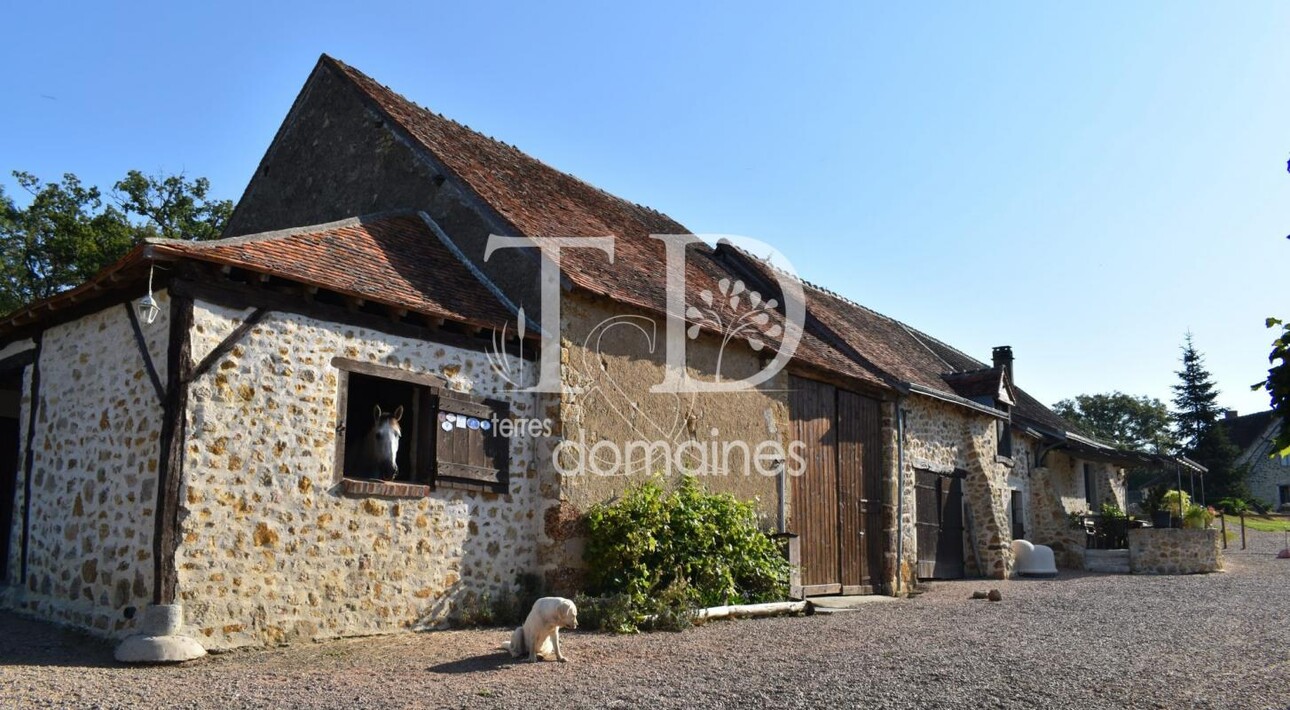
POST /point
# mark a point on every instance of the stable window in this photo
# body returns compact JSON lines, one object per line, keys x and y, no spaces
{"x":404,"y":427}
{"x":1284,"y":492}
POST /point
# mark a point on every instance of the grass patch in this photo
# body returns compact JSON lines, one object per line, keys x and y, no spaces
{"x":1262,"y":523}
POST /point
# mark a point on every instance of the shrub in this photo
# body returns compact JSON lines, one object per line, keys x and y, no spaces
{"x":1233,"y":506}
{"x":1176,"y":502}
{"x":668,"y":552}
{"x":1197,"y":517}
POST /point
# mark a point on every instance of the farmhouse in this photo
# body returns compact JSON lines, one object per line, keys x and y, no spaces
{"x":1268,"y":474}
{"x":213,"y":451}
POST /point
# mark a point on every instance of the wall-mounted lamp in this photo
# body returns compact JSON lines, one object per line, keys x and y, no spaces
{"x":147,"y":306}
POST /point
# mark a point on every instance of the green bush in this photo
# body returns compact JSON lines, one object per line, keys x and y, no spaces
{"x":1176,"y":502}
{"x":1197,"y":517}
{"x":669,"y":552}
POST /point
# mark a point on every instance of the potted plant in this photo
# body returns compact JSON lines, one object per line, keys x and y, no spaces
{"x":1197,"y":517}
{"x":1153,"y":507}
{"x":1175,"y":504}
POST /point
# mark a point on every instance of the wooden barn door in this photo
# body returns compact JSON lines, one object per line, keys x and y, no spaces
{"x":813,"y":409}
{"x":859,"y":426}
{"x":939,"y":522}
{"x":836,"y":503}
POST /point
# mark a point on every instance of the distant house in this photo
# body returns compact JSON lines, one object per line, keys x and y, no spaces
{"x":208,"y":457}
{"x":1269,"y":474}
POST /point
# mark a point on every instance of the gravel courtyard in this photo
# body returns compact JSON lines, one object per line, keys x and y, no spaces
{"x":1081,"y":641}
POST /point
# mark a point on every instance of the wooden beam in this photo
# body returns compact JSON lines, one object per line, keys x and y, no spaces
{"x":29,"y":455}
{"x":18,"y":360}
{"x":227,"y":344}
{"x":143,"y":351}
{"x":165,"y":539}
{"x":243,"y":296}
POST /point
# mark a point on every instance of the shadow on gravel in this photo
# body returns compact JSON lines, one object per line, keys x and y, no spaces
{"x":474,"y":664}
{"x":27,"y":642}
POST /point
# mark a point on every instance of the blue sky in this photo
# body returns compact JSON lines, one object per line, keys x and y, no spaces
{"x":1082,"y":182}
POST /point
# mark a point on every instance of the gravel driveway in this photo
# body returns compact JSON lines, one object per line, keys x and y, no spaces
{"x":1081,"y":641}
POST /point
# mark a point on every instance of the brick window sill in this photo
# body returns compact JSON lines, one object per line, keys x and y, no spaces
{"x":357,"y":487}
{"x":384,"y":489}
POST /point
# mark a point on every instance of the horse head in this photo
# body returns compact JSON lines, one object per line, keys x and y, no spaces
{"x":383,"y":441}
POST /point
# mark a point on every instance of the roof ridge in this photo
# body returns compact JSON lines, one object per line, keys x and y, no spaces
{"x":358,"y":77}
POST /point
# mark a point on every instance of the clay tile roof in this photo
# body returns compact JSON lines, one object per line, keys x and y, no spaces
{"x":393,"y":259}
{"x":540,"y":201}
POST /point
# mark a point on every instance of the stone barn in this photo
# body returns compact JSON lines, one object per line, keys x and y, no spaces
{"x":214,"y":451}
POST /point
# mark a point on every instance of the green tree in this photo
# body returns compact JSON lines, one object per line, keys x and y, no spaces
{"x":1278,"y":384}
{"x":1216,"y":452}
{"x":1195,"y":397}
{"x":68,"y":232}
{"x":1129,"y":422}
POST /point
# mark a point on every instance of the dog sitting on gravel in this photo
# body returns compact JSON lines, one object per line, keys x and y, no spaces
{"x":540,"y":634}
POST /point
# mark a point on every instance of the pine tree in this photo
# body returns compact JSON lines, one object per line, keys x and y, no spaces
{"x":1195,"y":408}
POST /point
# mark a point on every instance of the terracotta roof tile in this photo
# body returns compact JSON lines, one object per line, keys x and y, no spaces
{"x":394,"y":259}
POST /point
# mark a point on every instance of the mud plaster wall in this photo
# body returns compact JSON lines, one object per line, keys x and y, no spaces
{"x":942,"y":437}
{"x":612,"y":375}
{"x":272,"y":552}
{"x":94,"y":474}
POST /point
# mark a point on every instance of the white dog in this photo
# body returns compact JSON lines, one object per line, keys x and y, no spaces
{"x":540,"y":633}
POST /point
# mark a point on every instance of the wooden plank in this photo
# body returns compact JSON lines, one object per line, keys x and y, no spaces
{"x":818,"y":590}
{"x":342,"y":425}
{"x":386,"y":372}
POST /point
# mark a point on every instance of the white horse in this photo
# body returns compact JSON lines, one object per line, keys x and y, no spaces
{"x":381,"y":447}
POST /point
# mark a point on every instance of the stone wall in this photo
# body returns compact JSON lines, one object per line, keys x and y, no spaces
{"x":942,"y":437}
{"x":1267,"y":471}
{"x":1174,"y":551}
{"x":271,"y":549}
{"x":94,"y":474}
{"x":1057,"y":492}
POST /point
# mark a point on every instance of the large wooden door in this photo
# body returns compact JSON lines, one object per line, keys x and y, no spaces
{"x":939,"y":522}
{"x":837,"y":501}
{"x":813,"y":407}
{"x":859,"y":426}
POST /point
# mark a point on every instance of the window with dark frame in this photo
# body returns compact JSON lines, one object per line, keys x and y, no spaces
{"x":1090,"y":488}
{"x":1003,"y":435}
{"x":1018,"y":517}
{"x":447,"y":438}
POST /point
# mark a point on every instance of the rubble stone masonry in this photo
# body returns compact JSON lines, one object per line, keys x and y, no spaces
{"x":94,"y":474}
{"x":272,"y":550}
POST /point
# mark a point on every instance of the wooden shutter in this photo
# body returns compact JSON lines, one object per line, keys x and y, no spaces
{"x":467,"y":447}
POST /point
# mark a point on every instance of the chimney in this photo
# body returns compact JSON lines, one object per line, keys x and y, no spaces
{"x":1229,"y":414}
{"x":1003,"y":359}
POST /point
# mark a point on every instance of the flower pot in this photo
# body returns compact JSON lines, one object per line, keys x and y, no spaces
{"x":1161,"y":519}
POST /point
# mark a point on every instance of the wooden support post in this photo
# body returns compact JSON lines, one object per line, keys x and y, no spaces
{"x":179,"y":365}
